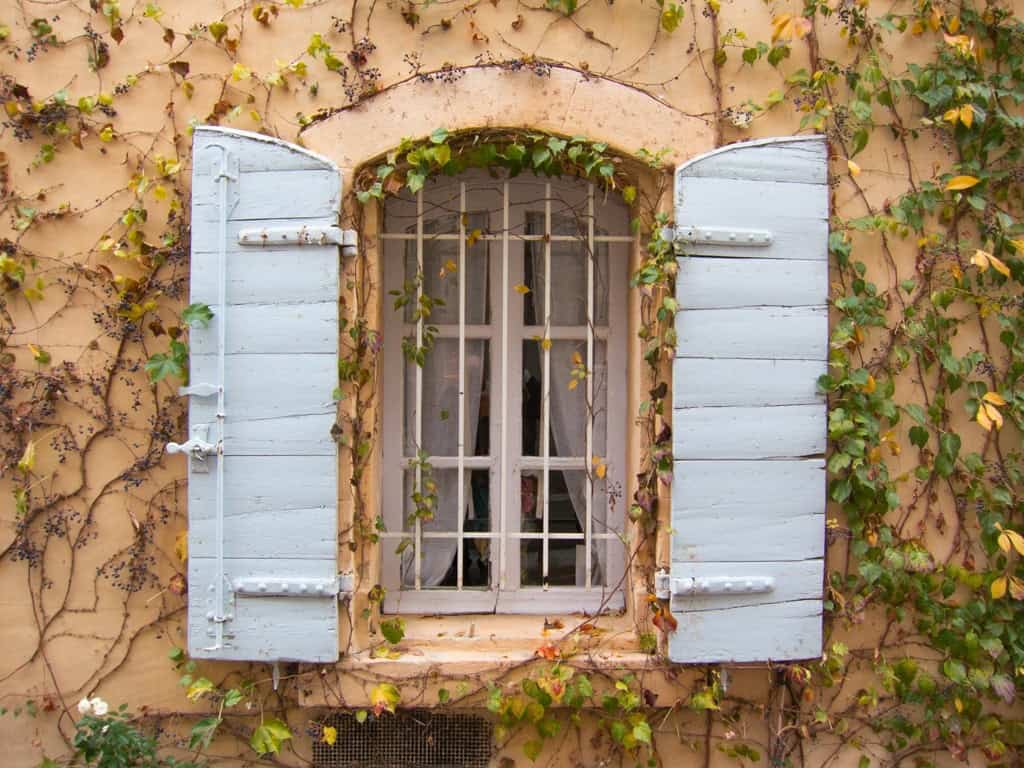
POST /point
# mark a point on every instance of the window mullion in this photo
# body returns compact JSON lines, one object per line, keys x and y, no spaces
{"x":546,"y":383}
{"x":504,"y":459}
{"x":589,"y":416}
{"x":462,"y":381}
{"x":419,"y":381}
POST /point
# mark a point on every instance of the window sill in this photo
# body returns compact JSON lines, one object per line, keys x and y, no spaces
{"x":442,"y":651}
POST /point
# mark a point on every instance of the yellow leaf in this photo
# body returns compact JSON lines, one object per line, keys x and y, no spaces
{"x":967,"y":115}
{"x":1018,"y":245}
{"x":981,"y":259}
{"x":870,"y":385}
{"x":181,"y":545}
{"x":577,"y":358}
{"x":240,"y":72}
{"x":1016,"y":539}
{"x":983,"y":419}
{"x":954,"y":25}
{"x":28,"y":458}
{"x":600,"y":468}
{"x":521,"y":289}
{"x":786,"y":26}
{"x":385,"y":696}
{"x":951,"y":115}
{"x":994,"y":397}
{"x":1016,"y":588}
{"x":472,"y":237}
{"x":999,"y":266}
{"x":573,"y":383}
{"x":853,"y":167}
{"x":958,"y":183}
{"x":1004,"y":542}
{"x":330,"y":735}
{"x":994,"y":415}
{"x":999,"y":588}
{"x":545,"y":343}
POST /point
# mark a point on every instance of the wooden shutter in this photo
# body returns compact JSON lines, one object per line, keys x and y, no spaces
{"x":748,"y":499}
{"x":263,"y":559}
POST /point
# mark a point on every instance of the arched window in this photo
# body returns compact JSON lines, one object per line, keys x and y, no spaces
{"x":504,"y":391}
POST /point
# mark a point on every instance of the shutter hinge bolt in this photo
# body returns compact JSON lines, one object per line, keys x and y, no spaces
{"x":662,"y":584}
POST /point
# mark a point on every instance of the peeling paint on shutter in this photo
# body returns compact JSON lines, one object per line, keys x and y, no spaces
{"x":748,"y":500}
{"x":263,"y":579}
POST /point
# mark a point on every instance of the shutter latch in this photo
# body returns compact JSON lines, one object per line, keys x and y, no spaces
{"x":662,"y":585}
{"x":689,"y":234}
{"x":197,"y":447}
{"x":302,"y":234}
{"x":295,"y":586}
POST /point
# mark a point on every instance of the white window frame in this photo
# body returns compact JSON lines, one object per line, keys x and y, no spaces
{"x":506,"y":201}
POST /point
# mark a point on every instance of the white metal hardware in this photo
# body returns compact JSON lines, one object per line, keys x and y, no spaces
{"x":199,"y":390}
{"x":662,"y":585}
{"x":721,"y":585}
{"x":689,"y":234}
{"x":301,"y":235}
{"x":197,"y":447}
{"x":277,"y":586}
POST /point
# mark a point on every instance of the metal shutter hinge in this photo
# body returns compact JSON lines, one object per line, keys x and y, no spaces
{"x":297,"y":586}
{"x":721,"y":585}
{"x":662,"y":585}
{"x":689,"y":234}
{"x":301,"y":235}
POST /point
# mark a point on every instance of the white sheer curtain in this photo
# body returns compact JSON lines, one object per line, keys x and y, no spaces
{"x":440,"y":405}
{"x":569,"y":410}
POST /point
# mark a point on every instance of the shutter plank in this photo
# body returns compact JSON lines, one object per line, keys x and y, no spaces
{"x":708,"y":381}
{"x":782,"y":332}
{"x":744,"y":432}
{"x":267,"y":628}
{"x":280,"y":367}
{"x":748,"y":424}
{"x":709,"y":283}
{"x":776,"y":513}
{"x":273,"y":329}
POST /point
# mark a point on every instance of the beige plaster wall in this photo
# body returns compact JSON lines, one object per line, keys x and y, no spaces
{"x":66,"y":629}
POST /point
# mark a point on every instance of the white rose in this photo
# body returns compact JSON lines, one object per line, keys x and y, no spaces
{"x":84,"y":707}
{"x":99,"y":707}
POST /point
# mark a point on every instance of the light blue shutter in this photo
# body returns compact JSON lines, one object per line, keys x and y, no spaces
{"x":748,"y":500}
{"x":263,"y":558}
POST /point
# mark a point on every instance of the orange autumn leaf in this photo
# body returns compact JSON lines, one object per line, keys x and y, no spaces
{"x":547,"y":651}
{"x":958,"y":183}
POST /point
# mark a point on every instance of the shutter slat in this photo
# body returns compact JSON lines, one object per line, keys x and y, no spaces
{"x":748,"y":499}
{"x":736,"y":283}
{"x":779,"y":332}
{"x":751,"y":520}
{"x":730,"y":381}
{"x":279,"y":461}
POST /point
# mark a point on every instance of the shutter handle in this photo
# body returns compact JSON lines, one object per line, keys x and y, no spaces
{"x":197,"y":446}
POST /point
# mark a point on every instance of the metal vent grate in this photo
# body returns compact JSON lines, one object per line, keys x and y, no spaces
{"x":415,"y":738}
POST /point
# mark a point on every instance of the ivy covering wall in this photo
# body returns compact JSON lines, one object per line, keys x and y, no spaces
{"x":921,"y":102}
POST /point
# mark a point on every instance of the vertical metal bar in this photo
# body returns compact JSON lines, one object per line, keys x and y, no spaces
{"x":588,"y":531}
{"x":546,"y":387}
{"x":462,"y":378}
{"x":223,"y":180}
{"x":419,"y":380}
{"x":503,"y":461}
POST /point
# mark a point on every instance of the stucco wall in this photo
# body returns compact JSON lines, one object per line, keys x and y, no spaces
{"x":67,"y":628}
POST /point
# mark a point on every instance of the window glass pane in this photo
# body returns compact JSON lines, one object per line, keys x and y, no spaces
{"x":440,"y":271}
{"x":438,"y":492}
{"x":440,"y":411}
{"x":568,"y":274}
{"x":566,"y":515}
{"x":568,"y":398}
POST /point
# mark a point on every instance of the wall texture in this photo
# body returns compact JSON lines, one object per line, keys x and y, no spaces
{"x":99,"y":102}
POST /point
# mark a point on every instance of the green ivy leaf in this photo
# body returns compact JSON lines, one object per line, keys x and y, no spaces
{"x":393,"y":630}
{"x":269,"y":735}
{"x":197,"y":315}
{"x":532,"y":749}
{"x":202,"y":733}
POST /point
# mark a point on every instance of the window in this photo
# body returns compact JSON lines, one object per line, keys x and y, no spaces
{"x":504,"y":447}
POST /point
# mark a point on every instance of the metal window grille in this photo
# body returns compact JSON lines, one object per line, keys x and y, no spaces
{"x":407,"y":739}
{"x":505,"y":216}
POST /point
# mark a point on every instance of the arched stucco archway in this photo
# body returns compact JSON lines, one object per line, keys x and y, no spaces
{"x":563,"y":100}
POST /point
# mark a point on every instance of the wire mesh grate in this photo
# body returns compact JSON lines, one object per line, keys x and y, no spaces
{"x":415,"y":738}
